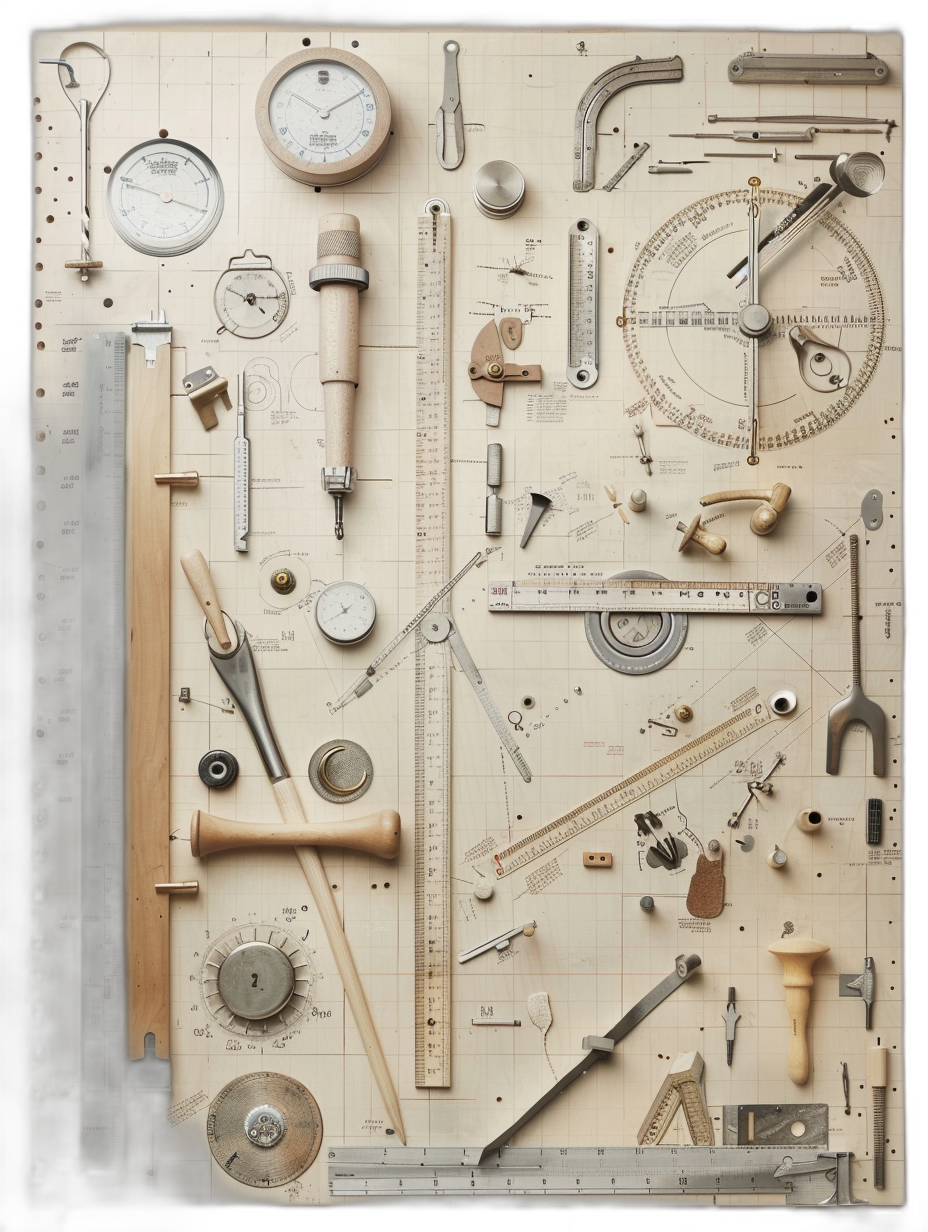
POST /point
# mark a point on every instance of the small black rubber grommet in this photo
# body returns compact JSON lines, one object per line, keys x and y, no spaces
{"x":218,"y":769}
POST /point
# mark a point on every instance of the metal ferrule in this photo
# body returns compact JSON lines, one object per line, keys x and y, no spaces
{"x":338,"y":478}
{"x":236,"y":669}
{"x":353,"y":275}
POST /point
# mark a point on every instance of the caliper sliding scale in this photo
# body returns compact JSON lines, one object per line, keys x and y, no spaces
{"x":562,"y":594}
{"x":805,"y":1177}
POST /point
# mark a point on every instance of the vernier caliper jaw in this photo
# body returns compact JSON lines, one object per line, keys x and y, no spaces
{"x":632,"y":73}
{"x":499,"y":943}
{"x":487,"y":371}
{"x":836,"y":1165}
{"x":151,"y":334}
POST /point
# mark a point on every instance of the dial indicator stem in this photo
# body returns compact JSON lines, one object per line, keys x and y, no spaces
{"x":754,"y":320}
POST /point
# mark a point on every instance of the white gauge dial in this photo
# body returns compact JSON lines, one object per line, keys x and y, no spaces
{"x":345,"y":613}
{"x":164,"y":197}
{"x":683,"y":339}
{"x":324,"y":116}
{"x":251,"y":297}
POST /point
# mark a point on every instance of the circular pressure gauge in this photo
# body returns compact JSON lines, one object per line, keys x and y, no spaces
{"x":251,"y":297}
{"x":345,"y":613}
{"x":324,"y":116}
{"x":164,"y":197}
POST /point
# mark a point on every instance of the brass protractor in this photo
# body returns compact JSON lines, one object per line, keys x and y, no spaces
{"x":264,"y":1129}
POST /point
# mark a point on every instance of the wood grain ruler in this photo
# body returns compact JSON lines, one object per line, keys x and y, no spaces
{"x":433,"y":662}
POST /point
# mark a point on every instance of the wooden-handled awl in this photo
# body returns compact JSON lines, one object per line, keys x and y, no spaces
{"x":338,"y":276}
{"x":236,"y":668}
{"x":798,"y":956}
{"x":377,"y":834}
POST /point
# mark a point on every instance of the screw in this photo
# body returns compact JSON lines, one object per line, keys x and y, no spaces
{"x":284,"y":581}
{"x":494,"y":369}
{"x":684,"y":713}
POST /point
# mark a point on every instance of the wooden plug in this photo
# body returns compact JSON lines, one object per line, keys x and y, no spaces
{"x":765,"y":517}
{"x":597,"y":859}
{"x":798,"y":956}
{"x":694,"y":533}
{"x":195,"y":567}
{"x":377,"y":834}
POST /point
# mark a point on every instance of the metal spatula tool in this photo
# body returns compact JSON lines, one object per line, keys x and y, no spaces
{"x":856,"y":707}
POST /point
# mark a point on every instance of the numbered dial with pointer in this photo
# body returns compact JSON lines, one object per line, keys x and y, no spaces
{"x":324,"y":116}
{"x":682,"y":334}
{"x":251,"y":297}
{"x":345,"y":613}
{"x":164,"y":197}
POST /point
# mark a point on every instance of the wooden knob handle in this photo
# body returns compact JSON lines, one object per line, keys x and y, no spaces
{"x":695,"y":533}
{"x":339,"y":244}
{"x":764,"y":518}
{"x":798,"y":955}
{"x":877,"y":1059}
{"x":201,"y":583}
{"x":377,"y":835}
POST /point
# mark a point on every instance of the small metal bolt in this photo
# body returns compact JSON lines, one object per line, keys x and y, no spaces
{"x":284,"y":581}
{"x":715,"y":846}
{"x":647,"y":903}
{"x":684,"y":713}
{"x":494,"y":369}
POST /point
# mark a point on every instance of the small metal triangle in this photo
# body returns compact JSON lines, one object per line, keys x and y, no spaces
{"x":540,"y":506}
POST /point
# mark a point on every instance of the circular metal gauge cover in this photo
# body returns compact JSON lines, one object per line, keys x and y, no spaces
{"x":264,"y":1129}
{"x":341,"y":771}
{"x":636,"y":643}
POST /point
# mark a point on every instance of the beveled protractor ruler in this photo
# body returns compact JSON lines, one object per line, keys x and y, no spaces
{"x":583,"y":305}
{"x":79,"y":759}
{"x":683,"y":1085}
{"x":375,"y":1172}
{"x":433,"y":661}
{"x":564,"y":594}
{"x":630,"y":790}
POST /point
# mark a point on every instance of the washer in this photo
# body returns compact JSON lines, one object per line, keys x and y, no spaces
{"x":218,"y":768}
{"x":636,"y":643}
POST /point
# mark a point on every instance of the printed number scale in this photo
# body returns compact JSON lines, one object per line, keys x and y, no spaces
{"x":640,"y":595}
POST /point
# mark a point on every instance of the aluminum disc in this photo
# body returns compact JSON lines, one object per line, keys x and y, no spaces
{"x":341,"y":771}
{"x":636,"y":643}
{"x":264,"y":1129}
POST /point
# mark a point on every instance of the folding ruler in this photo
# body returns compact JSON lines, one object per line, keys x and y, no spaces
{"x":79,"y":745}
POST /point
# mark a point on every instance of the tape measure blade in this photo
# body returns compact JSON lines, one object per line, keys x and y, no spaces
{"x":433,"y":668}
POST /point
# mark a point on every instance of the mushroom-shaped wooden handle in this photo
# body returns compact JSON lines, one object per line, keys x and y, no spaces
{"x":798,"y":956}
{"x":377,"y":834}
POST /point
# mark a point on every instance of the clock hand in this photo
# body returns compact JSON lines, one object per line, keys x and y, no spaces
{"x":754,"y":319}
{"x":347,"y":100}
{"x":300,"y":98}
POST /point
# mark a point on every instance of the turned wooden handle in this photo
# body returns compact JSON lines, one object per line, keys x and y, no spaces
{"x":338,"y":335}
{"x":377,"y":834}
{"x":194,"y":565}
{"x":798,"y":955}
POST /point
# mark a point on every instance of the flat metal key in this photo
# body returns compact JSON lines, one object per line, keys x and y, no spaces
{"x":856,"y":707}
{"x":449,"y":119}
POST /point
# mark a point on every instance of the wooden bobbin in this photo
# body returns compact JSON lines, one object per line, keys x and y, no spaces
{"x":798,"y":956}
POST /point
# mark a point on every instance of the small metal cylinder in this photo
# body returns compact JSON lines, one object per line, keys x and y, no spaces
{"x":499,"y":189}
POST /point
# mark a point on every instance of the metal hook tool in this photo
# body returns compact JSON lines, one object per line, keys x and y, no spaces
{"x":856,"y":707}
{"x":85,"y":109}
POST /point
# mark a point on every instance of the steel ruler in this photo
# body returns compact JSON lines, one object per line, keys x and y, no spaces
{"x":378,"y":1172}
{"x":629,"y":790}
{"x":648,"y":595}
{"x":433,"y":661}
{"x":240,"y":476}
{"x":583,"y":306}
{"x":79,"y":448}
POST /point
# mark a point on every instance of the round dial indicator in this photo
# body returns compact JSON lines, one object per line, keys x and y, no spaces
{"x":251,"y":297}
{"x":164,"y":197}
{"x":324,"y":116}
{"x":345,"y":613}
{"x":682,"y":335}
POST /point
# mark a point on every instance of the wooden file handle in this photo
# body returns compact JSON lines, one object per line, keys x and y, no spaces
{"x":377,"y":834}
{"x":338,"y":335}
{"x":798,"y":956}
{"x":194,"y":565}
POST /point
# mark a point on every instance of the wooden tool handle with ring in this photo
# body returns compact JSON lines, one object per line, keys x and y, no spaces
{"x":798,"y":956}
{"x":377,"y":834}
{"x":236,"y":669}
{"x":338,"y":276}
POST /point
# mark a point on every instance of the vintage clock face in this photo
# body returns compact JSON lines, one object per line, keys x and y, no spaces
{"x":251,"y":298}
{"x":164,"y":197}
{"x":681,"y":322}
{"x":324,"y":116}
{"x":345,"y":613}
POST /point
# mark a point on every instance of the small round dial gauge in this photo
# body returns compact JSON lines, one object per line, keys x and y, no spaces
{"x":251,"y":297}
{"x":681,"y":323}
{"x":345,"y":613}
{"x":324,"y":116}
{"x":164,"y":197}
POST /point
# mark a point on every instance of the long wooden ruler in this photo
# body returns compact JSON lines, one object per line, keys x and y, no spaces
{"x":433,"y":661}
{"x":565,"y":594}
{"x":632,"y":789}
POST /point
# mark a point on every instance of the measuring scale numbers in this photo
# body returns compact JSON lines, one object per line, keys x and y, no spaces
{"x":786,"y":348}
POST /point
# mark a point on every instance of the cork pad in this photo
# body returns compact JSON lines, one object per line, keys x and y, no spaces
{"x":706,"y":895}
